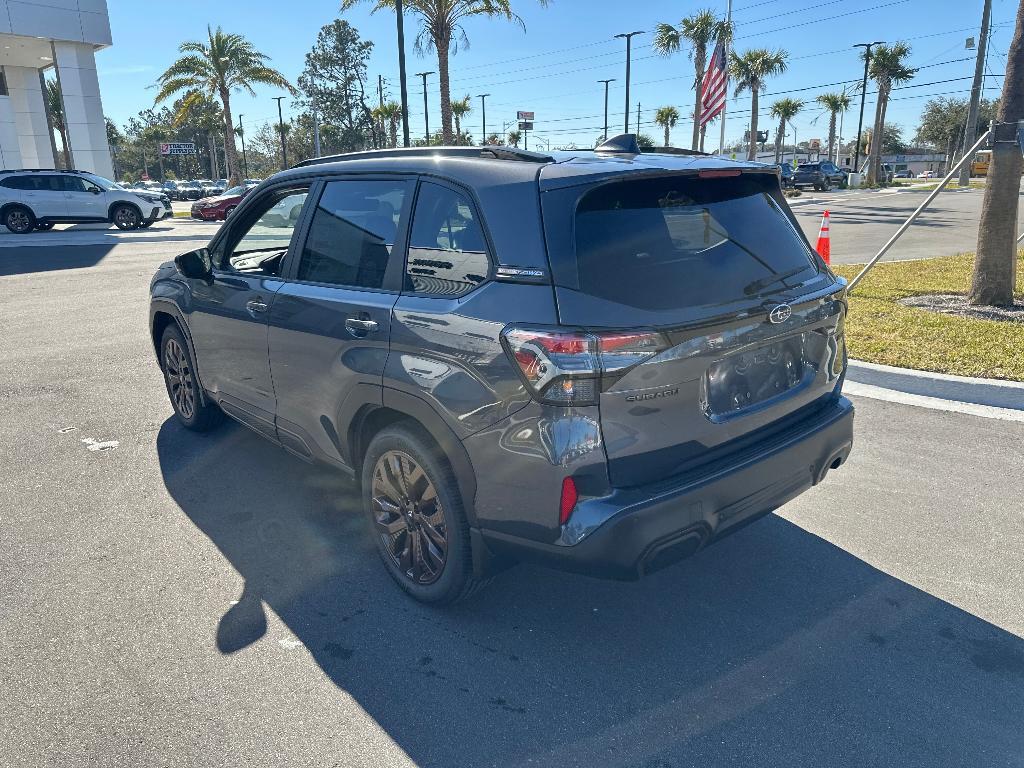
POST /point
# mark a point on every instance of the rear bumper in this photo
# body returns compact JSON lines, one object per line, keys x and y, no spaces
{"x":635,"y":531}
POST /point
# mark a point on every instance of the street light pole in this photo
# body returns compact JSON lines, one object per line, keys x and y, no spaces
{"x":629,"y":45}
{"x":976,"y":86}
{"x":241,"y":135}
{"x":280,"y":127}
{"x":863,"y":93}
{"x":725,"y":55}
{"x":604,"y":136}
{"x":483,"y":113}
{"x":426,"y":117}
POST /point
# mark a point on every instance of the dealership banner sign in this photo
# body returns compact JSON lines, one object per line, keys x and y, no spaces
{"x":178,"y":148}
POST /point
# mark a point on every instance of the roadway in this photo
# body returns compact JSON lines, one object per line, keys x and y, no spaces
{"x":180,"y":600}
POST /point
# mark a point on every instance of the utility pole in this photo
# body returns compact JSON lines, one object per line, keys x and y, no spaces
{"x":316,"y":131}
{"x":863,"y":93}
{"x":426,"y":117}
{"x":629,"y":46}
{"x":280,"y":127}
{"x":725,"y":53}
{"x":483,"y":113}
{"x":638,"y":117}
{"x":972,"y":110}
{"x":604,"y":137}
{"x":380,"y":103}
{"x":401,"y":73}
{"x":241,"y":135}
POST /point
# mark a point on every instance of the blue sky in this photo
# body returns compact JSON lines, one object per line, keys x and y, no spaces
{"x":553,"y":67}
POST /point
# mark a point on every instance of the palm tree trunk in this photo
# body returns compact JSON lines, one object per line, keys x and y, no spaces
{"x":666,"y":134}
{"x":394,"y":133}
{"x":831,"y":135}
{"x":458,"y":130}
{"x":160,"y":160}
{"x":778,"y":138}
{"x":64,"y":140}
{"x":699,"y":54}
{"x":752,"y":151}
{"x":443,"y":46}
{"x":233,"y":172}
{"x":995,"y":265}
{"x":876,"y":135}
{"x":703,"y":133}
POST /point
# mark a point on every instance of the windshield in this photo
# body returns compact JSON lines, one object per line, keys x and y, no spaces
{"x":234,"y":191}
{"x":683,"y":241}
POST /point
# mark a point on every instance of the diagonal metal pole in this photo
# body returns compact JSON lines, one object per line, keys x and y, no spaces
{"x":927,"y":201}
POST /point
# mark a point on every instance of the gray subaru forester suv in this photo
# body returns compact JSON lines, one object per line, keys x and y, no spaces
{"x":598,"y":360}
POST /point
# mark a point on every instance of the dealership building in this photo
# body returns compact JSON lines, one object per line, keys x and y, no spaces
{"x":36,"y":35}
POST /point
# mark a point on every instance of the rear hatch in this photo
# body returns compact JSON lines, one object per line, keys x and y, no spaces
{"x":734,"y":325}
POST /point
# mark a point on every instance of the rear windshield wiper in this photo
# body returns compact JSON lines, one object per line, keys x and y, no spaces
{"x":757,"y":285}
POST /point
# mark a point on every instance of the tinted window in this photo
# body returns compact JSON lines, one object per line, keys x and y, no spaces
{"x":77,"y":184}
{"x":262,"y":239}
{"x":17,"y":182}
{"x":447,"y":252}
{"x":353,"y":233}
{"x":685,"y":242}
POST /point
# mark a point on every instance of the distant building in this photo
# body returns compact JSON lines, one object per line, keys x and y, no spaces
{"x":915,"y":161}
{"x":34,"y":36}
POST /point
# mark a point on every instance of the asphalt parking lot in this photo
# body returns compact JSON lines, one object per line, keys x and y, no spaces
{"x":182,"y":600}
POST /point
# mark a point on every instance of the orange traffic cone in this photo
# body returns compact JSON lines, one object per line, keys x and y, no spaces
{"x":823,"y":248}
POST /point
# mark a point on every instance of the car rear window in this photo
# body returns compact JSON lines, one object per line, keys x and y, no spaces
{"x":683,"y":241}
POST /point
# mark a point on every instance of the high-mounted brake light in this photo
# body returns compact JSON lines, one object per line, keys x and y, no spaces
{"x":570,"y":367}
{"x":717,"y":173}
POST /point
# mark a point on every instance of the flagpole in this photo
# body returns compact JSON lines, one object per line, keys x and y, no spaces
{"x":725,"y":52}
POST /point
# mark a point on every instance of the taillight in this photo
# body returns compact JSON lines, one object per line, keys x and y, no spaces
{"x":570,"y":367}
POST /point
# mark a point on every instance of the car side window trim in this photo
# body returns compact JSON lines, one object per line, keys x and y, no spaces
{"x":396,"y":262}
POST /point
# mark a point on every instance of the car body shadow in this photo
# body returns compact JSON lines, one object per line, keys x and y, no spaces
{"x":773,"y":647}
{"x":43,"y":258}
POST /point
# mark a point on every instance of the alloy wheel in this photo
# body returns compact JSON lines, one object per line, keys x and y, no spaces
{"x":18,"y":221}
{"x":180,"y":382}
{"x":409,"y":517}
{"x":126,"y":218}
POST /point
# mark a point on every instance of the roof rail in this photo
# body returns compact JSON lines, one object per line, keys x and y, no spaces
{"x":491,"y":152}
{"x":33,"y":170}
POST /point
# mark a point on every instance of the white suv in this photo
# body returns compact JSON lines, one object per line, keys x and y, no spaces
{"x":38,"y":199}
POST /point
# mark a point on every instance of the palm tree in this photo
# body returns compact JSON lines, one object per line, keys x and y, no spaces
{"x":55,"y":106}
{"x":460,"y":109}
{"x":750,"y":70}
{"x":834,"y":103}
{"x":699,"y":30}
{"x":667,"y":117}
{"x":216,"y":67}
{"x":785,"y":110}
{"x":390,"y":113}
{"x":994,"y":266}
{"x":493,"y":140}
{"x":513,"y":138}
{"x":441,"y":30}
{"x":887,"y":68}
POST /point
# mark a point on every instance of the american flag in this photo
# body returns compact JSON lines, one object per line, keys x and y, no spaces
{"x":712,"y":89}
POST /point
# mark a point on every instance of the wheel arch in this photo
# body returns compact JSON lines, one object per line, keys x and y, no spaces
{"x":399,"y":407}
{"x":163,"y":314}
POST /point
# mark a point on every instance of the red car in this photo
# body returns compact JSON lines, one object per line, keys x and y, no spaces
{"x":218,"y":208}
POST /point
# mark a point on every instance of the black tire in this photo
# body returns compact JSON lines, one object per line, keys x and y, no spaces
{"x":228,"y":211}
{"x":19,"y":220}
{"x":44,"y":226}
{"x":193,"y":410}
{"x":125,"y":216}
{"x":396,"y":531}
{"x":146,"y":224}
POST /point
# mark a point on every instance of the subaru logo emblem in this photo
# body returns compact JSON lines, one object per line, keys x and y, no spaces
{"x":780,"y":314}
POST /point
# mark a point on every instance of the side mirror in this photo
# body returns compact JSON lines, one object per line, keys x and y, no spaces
{"x":195,"y":265}
{"x":95,"y":190}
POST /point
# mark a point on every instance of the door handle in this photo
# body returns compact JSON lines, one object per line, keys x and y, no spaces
{"x":360,"y":327}
{"x":256,"y":306}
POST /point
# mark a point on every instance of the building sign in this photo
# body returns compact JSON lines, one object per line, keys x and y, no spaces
{"x":525,"y":125}
{"x":528,"y":116}
{"x":815,"y":145}
{"x":178,"y":148}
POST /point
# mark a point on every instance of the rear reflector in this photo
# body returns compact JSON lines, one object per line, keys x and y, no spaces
{"x":568,"y":500}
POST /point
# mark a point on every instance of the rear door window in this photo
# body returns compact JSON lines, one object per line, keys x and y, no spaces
{"x":683,"y":241}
